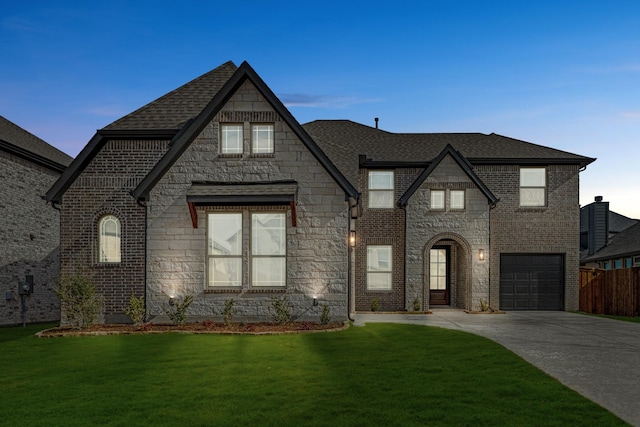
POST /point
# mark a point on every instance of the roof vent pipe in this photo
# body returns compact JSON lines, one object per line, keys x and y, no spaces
{"x":376,"y":119}
{"x":598,"y":199}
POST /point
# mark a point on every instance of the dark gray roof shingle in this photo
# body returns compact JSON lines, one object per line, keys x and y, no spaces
{"x":172,"y":110}
{"x":13,"y":134}
{"x":344,"y":140}
{"x":625,"y":243}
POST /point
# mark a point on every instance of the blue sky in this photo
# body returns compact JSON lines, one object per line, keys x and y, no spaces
{"x":564,"y":74}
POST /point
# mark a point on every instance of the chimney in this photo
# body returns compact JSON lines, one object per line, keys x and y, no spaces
{"x":598,"y":225}
{"x":376,"y":119}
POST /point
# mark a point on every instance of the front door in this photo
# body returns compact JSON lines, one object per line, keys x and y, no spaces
{"x":439,"y":276}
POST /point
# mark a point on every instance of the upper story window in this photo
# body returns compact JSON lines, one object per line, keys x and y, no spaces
{"x":437,"y":199}
{"x":231,"y":140}
{"x":262,"y":139}
{"x":533,"y":187}
{"x":109,"y":239}
{"x":381,"y":189}
{"x":457,"y":199}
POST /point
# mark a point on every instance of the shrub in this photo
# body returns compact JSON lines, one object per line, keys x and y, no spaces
{"x":79,"y":302}
{"x":178,"y":311}
{"x":375,"y":304}
{"x":282,"y":309}
{"x":228,"y":311}
{"x":416,"y":304}
{"x":484,"y":304}
{"x":325,"y":317}
{"x":135,"y":309}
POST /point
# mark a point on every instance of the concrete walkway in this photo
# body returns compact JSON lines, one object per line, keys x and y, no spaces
{"x":597,"y":357}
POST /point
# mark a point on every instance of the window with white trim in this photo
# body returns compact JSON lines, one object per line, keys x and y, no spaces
{"x":224,"y":249}
{"x":379,"y":267}
{"x":437,"y":199}
{"x":231,"y":141}
{"x":533,"y":186}
{"x":381,"y":189}
{"x":262,"y":139}
{"x":456,"y":201}
{"x":109,"y":239}
{"x":268,"y":249}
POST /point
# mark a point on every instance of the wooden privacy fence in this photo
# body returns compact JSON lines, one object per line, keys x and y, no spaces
{"x":615,"y":292}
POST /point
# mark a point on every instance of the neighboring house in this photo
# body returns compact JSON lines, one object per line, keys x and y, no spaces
{"x":598,"y":226}
{"x":214,"y":190}
{"x":29,"y":229}
{"x":608,"y":240}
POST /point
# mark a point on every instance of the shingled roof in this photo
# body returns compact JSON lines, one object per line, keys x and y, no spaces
{"x":172,"y":110}
{"x":343,"y":141}
{"x":626,"y":243}
{"x":18,"y":141}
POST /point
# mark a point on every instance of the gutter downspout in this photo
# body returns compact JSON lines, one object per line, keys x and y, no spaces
{"x":144,"y":263}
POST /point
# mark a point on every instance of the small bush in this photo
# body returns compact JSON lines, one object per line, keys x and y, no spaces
{"x":282,"y":309}
{"x":375,"y":304}
{"x":178,"y":311}
{"x":484,"y":304}
{"x":325,"y":317}
{"x":228,"y":311}
{"x":135,"y":309}
{"x":416,"y":304}
{"x":79,"y":302}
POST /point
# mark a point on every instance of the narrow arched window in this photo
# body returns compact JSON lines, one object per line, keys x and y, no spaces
{"x":109,"y":239}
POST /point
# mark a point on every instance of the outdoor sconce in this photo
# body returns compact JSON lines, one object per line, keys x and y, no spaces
{"x":315,"y":301}
{"x":481,"y":254}
{"x":352,"y":238}
{"x":172,"y":301}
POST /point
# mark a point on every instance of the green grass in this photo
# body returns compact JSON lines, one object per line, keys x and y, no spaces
{"x":381,"y":374}
{"x":611,"y":316}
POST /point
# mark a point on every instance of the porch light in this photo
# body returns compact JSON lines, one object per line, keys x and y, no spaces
{"x":172,"y":301}
{"x":481,"y":254}
{"x":315,"y":301}
{"x":352,"y":238}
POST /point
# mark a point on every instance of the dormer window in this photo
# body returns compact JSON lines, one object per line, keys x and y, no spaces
{"x":381,"y":189}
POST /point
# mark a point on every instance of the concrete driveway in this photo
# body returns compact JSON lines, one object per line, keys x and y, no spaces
{"x":597,"y":357}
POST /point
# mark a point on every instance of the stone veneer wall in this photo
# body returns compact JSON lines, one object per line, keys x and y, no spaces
{"x":469,"y":229}
{"x":316,"y":248}
{"x":29,"y":233}
{"x":103,"y":188}
{"x":554,"y":229}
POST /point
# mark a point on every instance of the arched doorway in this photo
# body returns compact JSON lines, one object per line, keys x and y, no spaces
{"x":447,"y":272}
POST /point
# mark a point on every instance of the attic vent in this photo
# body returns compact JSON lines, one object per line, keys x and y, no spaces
{"x":376,"y":119}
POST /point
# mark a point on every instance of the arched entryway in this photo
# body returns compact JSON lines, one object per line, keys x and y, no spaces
{"x":447,"y":272}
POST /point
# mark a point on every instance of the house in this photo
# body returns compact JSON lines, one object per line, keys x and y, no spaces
{"x":608,"y":240}
{"x":29,"y":229}
{"x":214,"y":190}
{"x":598,"y":227}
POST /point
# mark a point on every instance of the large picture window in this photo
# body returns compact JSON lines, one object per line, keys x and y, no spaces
{"x":379,"y":268}
{"x":381,"y":189}
{"x":109,"y":239}
{"x":268,"y":249}
{"x":224,"y":248}
{"x":231,"y":141}
{"x":533,"y":187}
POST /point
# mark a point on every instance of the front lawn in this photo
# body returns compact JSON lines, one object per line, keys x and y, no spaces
{"x":380,"y":374}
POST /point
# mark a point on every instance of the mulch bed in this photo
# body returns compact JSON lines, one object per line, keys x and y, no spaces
{"x":205,"y":327}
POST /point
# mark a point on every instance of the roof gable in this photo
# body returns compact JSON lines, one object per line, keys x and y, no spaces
{"x":626,"y":243}
{"x":464,"y":165}
{"x":22,"y":143}
{"x":191,"y":130}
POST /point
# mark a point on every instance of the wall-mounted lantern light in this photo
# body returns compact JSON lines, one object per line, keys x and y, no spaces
{"x":315,"y":301}
{"x":172,"y":301}
{"x":481,"y":254}
{"x":352,"y":238}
